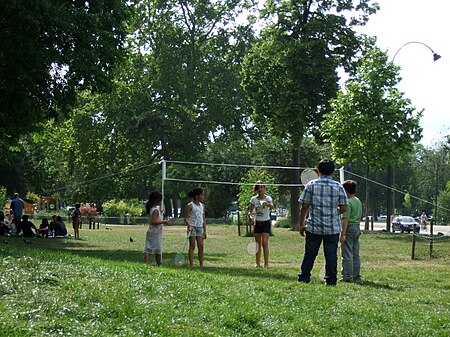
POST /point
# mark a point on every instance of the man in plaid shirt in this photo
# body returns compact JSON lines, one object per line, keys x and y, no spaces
{"x":325,"y":199}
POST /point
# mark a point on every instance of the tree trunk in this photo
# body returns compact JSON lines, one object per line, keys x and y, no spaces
{"x":295,"y":190}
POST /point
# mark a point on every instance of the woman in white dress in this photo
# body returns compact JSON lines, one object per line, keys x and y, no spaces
{"x":153,"y":240}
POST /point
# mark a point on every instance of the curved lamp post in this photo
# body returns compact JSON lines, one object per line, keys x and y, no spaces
{"x":391,"y":168}
{"x":435,"y":56}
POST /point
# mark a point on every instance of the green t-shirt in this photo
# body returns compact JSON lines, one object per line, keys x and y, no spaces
{"x":354,"y":211}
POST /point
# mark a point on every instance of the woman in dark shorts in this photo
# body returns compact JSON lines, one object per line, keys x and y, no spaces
{"x":259,"y":212}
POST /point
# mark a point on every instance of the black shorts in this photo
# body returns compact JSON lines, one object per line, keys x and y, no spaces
{"x":262,"y":227}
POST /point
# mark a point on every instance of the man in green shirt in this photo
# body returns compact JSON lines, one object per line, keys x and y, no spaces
{"x":351,"y":263}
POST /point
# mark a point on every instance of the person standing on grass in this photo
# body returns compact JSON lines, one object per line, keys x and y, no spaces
{"x":196,"y":221}
{"x":17,"y":205}
{"x":324,"y":199}
{"x":259,"y":212}
{"x":351,"y":262}
{"x":76,"y":217}
{"x":153,"y":239}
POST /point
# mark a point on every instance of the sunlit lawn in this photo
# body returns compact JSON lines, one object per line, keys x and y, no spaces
{"x":99,"y":286}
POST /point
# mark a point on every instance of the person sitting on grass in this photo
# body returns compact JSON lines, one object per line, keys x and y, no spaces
{"x":4,"y":228}
{"x":26,"y":226}
{"x":52,"y":226}
{"x":13,"y":223}
{"x":44,"y":228}
{"x":60,"y":227}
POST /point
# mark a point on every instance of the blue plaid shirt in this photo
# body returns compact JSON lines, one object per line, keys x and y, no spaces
{"x":324,"y":195}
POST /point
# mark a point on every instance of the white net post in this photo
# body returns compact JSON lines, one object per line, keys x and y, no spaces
{"x":341,"y":174}
{"x":163,"y":177}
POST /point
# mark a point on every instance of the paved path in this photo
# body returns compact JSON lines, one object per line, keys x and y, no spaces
{"x":378,"y":226}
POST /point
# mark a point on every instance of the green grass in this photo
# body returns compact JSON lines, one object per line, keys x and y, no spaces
{"x":99,"y":286}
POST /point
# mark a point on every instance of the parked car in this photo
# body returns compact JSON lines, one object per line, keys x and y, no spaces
{"x":382,"y":217}
{"x":273,"y":215}
{"x":404,"y":224}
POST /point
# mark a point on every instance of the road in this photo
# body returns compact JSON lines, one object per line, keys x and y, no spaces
{"x":378,"y":226}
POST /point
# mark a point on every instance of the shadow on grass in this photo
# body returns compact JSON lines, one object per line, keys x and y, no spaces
{"x":377,"y":285}
{"x":81,"y":248}
{"x":399,"y":237}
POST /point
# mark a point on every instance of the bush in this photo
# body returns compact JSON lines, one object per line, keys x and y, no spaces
{"x":88,"y":211}
{"x":121,"y":207}
{"x":283,"y":223}
{"x":3,"y":196}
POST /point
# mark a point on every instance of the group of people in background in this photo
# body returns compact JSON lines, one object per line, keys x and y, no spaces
{"x":19,"y":224}
{"x":330,"y":213}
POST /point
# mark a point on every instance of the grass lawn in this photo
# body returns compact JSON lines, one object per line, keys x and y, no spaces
{"x":99,"y":286}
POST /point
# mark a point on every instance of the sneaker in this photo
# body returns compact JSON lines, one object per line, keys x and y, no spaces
{"x":345,"y":280}
{"x":303,"y":279}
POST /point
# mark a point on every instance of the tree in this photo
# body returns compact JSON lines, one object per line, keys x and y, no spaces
{"x":370,"y":119}
{"x":50,"y":49}
{"x":290,"y":72}
{"x":190,"y":53}
{"x":183,"y":89}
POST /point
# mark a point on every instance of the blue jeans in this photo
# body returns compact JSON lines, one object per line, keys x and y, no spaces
{"x":312,"y":245}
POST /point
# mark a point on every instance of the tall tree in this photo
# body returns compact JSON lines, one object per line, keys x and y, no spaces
{"x":290,"y":73}
{"x":188,"y":54}
{"x":48,"y":50}
{"x":370,"y":119}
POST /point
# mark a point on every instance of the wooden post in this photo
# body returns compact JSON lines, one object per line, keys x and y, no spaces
{"x":413,"y":242}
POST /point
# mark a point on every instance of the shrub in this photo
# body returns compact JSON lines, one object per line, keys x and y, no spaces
{"x":88,"y":211}
{"x":121,"y":207}
{"x":3,"y":196}
{"x":283,"y":223}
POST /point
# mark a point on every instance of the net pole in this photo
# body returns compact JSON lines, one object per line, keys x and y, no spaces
{"x":341,"y":175}
{"x":163,"y":178}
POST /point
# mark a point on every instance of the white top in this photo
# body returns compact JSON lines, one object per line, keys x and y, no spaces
{"x":262,"y":213}
{"x":154,"y":227}
{"x":196,"y":216}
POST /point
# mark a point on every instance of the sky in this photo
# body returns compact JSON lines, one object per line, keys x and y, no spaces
{"x":424,"y":81}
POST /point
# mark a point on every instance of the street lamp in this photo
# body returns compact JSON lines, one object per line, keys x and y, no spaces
{"x":391,"y":168}
{"x":435,"y":56}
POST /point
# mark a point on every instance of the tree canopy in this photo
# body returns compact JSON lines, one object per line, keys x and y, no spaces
{"x":371,"y":119}
{"x":48,"y":50}
{"x":290,"y":74}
